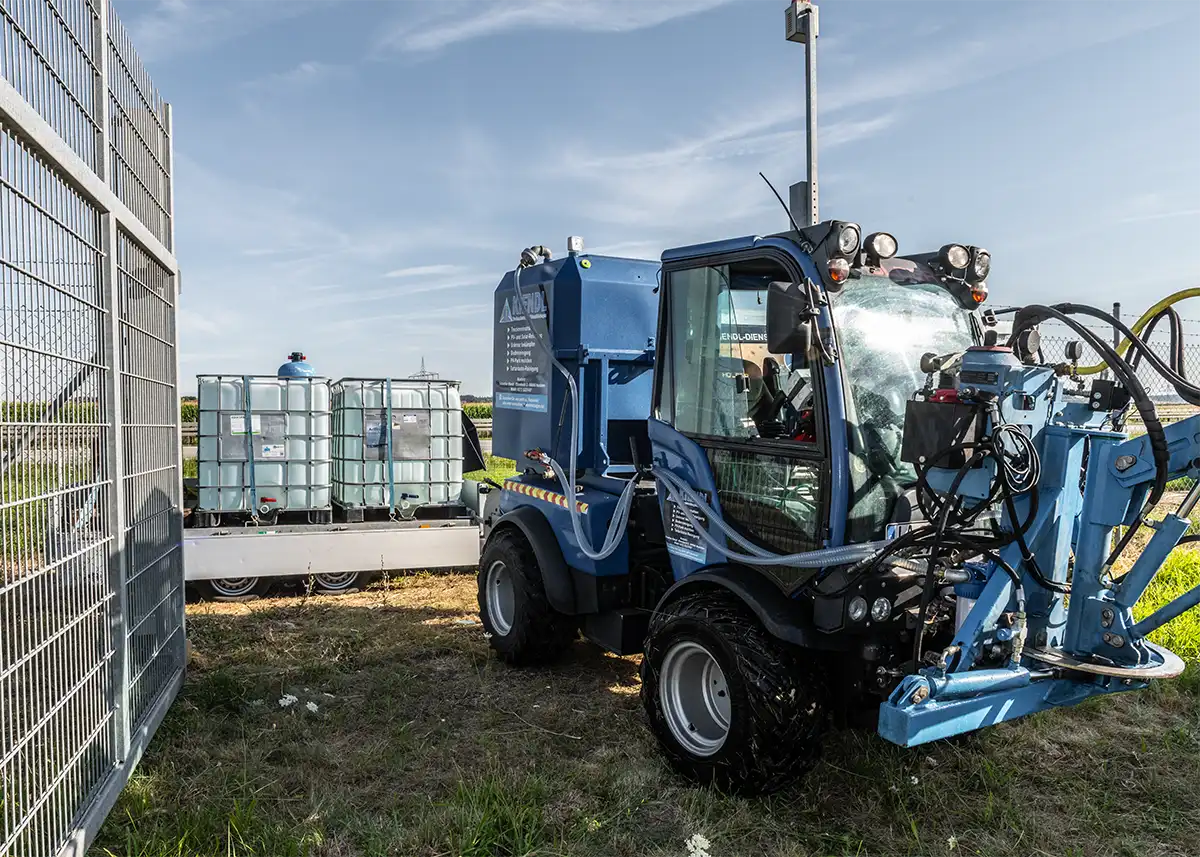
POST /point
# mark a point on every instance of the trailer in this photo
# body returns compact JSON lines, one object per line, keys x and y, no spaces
{"x":236,"y":561}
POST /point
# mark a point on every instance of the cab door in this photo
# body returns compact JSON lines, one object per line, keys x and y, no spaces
{"x":745,"y":427}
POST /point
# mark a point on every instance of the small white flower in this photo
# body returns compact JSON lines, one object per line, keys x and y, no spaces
{"x":913,"y":780}
{"x":697,"y":846}
{"x":287,"y":700}
{"x":952,"y":842}
{"x":311,"y":706}
{"x":593,"y":824}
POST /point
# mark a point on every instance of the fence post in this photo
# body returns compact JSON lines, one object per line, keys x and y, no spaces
{"x":111,"y":337}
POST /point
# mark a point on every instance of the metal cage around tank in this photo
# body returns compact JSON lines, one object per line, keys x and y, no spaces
{"x":91,"y":564}
{"x":418,"y":462}
{"x":264,"y":446}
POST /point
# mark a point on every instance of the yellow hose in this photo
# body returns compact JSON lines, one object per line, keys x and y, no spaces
{"x":1137,"y":326}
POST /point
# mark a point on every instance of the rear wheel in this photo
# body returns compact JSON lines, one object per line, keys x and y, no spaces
{"x":234,"y":588}
{"x":522,"y":626}
{"x":337,"y":583}
{"x":730,"y":705}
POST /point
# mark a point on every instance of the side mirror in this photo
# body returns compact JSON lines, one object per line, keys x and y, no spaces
{"x":788,"y":314}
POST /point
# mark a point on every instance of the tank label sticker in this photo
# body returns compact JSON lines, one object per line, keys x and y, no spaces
{"x":521,"y":368}
{"x":237,"y":424}
{"x":273,"y":450}
{"x":541,"y":494}
{"x":411,"y":437}
{"x":682,"y":538}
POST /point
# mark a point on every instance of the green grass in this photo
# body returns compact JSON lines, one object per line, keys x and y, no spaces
{"x":424,"y":744}
{"x":498,"y":469}
{"x":1178,"y":574}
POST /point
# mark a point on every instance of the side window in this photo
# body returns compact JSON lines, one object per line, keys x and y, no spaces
{"x":719,"y":380}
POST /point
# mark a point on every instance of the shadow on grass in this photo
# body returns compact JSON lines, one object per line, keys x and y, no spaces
{"x":379,"y":724}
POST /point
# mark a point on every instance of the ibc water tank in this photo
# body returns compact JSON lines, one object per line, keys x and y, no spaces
{"x":424,"y":442}
{"x":264,"y":445}
{"x":297,"y":367}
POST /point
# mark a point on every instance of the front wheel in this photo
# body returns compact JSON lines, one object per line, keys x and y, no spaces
{"x":521,"y":624}
{"x":730,"y":705}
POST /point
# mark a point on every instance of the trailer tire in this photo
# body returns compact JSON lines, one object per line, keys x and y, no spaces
{"x":338,"y":583}
{"x":234,"y":588}
{"x":706,"y":647}
{"x":522,"y":626}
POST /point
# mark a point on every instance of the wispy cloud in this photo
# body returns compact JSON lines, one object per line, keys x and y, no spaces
{"x":300,"y":77}
{"x":460,"y":23}
{"x":422,"y":271}
{"x":169,"y":28}
{"x":1161,"y":215}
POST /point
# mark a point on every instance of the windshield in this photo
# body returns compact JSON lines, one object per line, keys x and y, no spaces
{"x":884,"y":325}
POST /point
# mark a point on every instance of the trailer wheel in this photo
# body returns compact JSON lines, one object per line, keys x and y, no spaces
{"x":731,"y":706}
{"x":235,"y":588}
{"x":337,"y":583}
{"x":521,"y":625}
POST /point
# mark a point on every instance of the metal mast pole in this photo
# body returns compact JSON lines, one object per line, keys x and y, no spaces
{"x":802,"y":26}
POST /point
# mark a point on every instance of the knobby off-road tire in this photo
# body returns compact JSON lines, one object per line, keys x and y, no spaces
{"x":523,"y":627}
{"x":768,"y":734}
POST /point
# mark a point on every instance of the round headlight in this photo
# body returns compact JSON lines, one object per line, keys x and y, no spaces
{"x":848,"y":239}
{"x":839,"y":269}
{"x":981,"y":264}
{"x":881,"y":609}
{"x":955,"y":256}
{"x":881,"y":245}
{"x":857,"y":610}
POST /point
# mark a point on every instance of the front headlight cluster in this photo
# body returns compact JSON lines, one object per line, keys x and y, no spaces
{"x":971,"y":263}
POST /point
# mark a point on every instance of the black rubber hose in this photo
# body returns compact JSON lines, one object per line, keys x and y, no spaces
{"x":1188,"y":391}
{"x":1145,"y":406}
{"x":931,"y":574}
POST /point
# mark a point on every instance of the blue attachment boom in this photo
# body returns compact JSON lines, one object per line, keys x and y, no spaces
{"x":1094,"y":646}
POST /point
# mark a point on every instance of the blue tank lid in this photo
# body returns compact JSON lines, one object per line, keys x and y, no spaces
{"x":296,"y":367}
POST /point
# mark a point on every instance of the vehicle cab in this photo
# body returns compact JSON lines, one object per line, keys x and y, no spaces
{"x":765,"y":345}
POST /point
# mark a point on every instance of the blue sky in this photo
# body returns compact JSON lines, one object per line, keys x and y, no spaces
{"x":353,"y":177}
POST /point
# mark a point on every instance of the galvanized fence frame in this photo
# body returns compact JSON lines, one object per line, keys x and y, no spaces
{"x":91,"y":565}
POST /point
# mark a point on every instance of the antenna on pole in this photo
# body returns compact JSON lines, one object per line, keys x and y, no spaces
{"x":801,"y":24}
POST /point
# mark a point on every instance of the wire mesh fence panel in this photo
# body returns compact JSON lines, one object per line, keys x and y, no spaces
{"x":154,"y":589}
{"x":139,"y":147}
{"x":49,"y":56}
{"x":91,"y":576}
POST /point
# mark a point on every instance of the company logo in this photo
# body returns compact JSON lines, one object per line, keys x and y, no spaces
{"x":535,"y":307}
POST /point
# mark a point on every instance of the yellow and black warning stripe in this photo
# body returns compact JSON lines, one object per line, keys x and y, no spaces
{"x":541,"y":494}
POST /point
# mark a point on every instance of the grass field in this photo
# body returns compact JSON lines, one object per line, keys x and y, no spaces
{"x":378,"y":724}
{"x":417,"y":742}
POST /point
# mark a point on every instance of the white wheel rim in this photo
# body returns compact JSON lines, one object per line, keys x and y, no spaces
{"x":234,"y":587}
{"x":694,"y":698}
{"x":501,"y":600}
{"x":342,"y":580}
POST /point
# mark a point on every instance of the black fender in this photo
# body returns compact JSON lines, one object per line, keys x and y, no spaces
{"x":556,"y":576}
{"x":784,"y":618}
